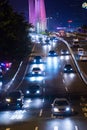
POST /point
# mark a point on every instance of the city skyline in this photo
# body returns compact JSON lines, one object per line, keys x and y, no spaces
{"x":60,"y":11}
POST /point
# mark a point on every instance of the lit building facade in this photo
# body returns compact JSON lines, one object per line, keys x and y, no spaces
{"x":37,"y":15}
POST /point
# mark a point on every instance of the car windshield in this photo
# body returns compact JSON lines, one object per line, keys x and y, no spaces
{"x":51,"y":51}
{"x":34,"y":87}
{"x":37,"y":57}
{"x":36,"y":69}
{"x":14,"y":94}
{"x":61,"y":103}
{"x":68,"y":66}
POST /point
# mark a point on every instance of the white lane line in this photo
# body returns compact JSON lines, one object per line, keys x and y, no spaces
{"x":41,"y":111}
{"x":43,"y":89}
{"x":36,"y":128}
{"x":63,"y":81}
{"x":76,"y":127}
{"x":43,"y":81}
{"x":66,"y":89}
{"x":7,"y":128}
{"x":55,"y":127}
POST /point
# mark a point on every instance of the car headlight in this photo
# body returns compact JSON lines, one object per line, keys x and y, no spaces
{"x":65,"y":69}
{"x":37,"y":91}
{"x":19,"y":99}
{"x":33,"y":72}
{"x":55,"y":109}
{"x":8,"y":100}
{"x":34,"y":60}
{"x":68,"y":109}
{"x":39,"y":72}
{"x":27,"y":92}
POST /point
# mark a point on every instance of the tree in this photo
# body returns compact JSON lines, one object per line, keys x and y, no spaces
{"x":14,"y":31}
{"x":84,"y":28}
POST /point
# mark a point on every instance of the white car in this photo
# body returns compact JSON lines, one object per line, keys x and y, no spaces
{"x":75,"y":40}
{"x":80,"y":51}
{"x":36,"y":71}
{"x":61,"y":106}
{"x":83,"y":58}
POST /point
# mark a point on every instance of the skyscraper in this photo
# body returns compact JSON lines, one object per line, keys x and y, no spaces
{"x":37,"y":14}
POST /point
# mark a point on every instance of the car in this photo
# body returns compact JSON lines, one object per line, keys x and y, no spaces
{"x":83,"y":58}
{"x":80,"y":51}
{"x":36,"y":71}
{"x":68,"y":69}
{"x":37,"y":59}
{"x":52,"y":53}
{"x":61,"y":106}
{"x":75,"y":40}
{"x":64,"y":52}
{"x":33,"y":90}
{"x":14,"y":99}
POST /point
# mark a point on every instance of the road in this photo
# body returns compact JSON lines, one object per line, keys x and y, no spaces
{"x":36,"y":113}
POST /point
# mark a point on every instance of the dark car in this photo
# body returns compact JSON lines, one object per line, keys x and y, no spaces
{"x":52,"y":53}
{"x":33,"y":90}
{"x":14,"y":99}
{"x":64,"y":52}
{"x":68,"y":69}
{"x":37,"y":59}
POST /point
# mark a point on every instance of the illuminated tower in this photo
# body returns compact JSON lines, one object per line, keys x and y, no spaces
{"x":31,"y":11}
{"x":37,"y":15}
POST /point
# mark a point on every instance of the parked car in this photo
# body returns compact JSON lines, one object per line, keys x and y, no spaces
{"x":14,"y":99}
{"x":61,"y":106}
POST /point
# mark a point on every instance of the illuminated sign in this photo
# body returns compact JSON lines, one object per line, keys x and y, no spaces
{"x":84,"y":5}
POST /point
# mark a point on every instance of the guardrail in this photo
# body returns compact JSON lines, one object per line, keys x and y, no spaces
{"x":77,"y":66}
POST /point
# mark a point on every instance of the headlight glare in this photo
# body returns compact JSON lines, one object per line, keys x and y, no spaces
{"x":55,"y":109}
{"x":19,"y":99}
{"x":8,"y":100}
{"x":67,"y":109}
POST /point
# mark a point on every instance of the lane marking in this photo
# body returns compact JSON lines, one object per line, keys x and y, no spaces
{"x":41,"y":111}
{"x":43,"y":89}
{"x":8,"y":128}
{"x":76,"y":127}
{"x":36,"y":128}
{"x":85,"y":114}
{"x":55,"y":127}
{"x":43,"y":81}
{"x":66,"y":89}
{"x":63,"y":81}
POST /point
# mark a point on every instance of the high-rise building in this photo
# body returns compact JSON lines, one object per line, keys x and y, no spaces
{"x":37,"y":14}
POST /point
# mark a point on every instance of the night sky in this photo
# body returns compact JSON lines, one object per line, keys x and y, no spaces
{"x":60,"y":10}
